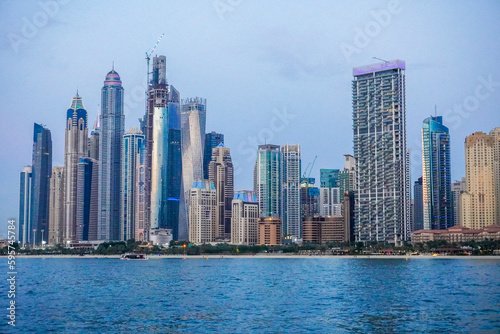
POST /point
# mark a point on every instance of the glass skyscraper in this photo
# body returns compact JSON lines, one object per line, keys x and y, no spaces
{"x":112,"y":122}
{"x":132,"y":142}
{"x":418,"y":206}
{"x":268,"y":180}
{"x":436,"y":175}
{"x":379,"y":124}
{"x":290,"y":190}
{"x":25,"y":235}
{"x":76,"y":146}
{"x":40,"y":184}
{"x":212,"y":140}
{"x":86,"y":198}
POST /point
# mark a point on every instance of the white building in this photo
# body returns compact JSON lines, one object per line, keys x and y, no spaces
{"x":244,"y":222}
{"x":202,"y":218}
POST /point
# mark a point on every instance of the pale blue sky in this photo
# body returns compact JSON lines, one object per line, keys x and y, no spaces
{"x":250,"y":60}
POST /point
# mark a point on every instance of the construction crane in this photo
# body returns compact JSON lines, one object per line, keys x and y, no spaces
{"x":148,"y":56}
{"x":310,"y":170}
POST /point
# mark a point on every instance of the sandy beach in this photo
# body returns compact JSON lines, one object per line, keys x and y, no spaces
{"x":266,"y":256}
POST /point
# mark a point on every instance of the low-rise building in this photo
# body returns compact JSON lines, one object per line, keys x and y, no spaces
{"x":457,"y":234}
{"x":269,"y":231}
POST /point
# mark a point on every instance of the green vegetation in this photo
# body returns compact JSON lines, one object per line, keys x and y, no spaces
{"x":485,"y":247}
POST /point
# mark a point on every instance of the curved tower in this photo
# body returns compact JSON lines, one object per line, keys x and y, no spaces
{"x":76,"y":141}
{"x":112,"y":122}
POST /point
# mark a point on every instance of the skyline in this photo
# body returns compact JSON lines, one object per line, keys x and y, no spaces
{"x":312,"y":73}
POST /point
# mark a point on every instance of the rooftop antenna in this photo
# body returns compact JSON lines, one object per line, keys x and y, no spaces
{"x":76,"y":90}
{"x":435,"y":110}
{"x":113,"y":66}
{"x":148,"y":56}
{"x":385,"y":61}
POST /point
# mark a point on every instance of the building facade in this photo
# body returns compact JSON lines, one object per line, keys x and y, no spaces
{"x":25,"y":234}
{"x":133,"y":140}
{"x":86,"y":199}
{"x":478,"y":203}
{"x":141,"y":226}
{"x":322,"y":230}
{"x":267,"y":180}
{"x":202,"y":217}
{"x":270,"y":231}
{"x":457,"y":234}
{"x":436,"y":175}
{"x":457,"y":188}
{"x":290,"y":190}
{"x":379,"y":124}
{"x":220,"y":172}
{"x":418,"y":205}
{"x":112,"y":121}
{"x":244,"y":222}
{"x":212,"y":140}
{"x":76,"y":146}
{"x":40,"y":183}
{"x":193,"y":126}
{"x":330,"y":203}
{"x":56,"y":206}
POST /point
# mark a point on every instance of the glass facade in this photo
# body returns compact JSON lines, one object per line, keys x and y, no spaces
{"x":379,"y":126}
{"x":212,"y":140}
{"x":25,"y":235}
{"x":86,"y":198}
{"x":436,"y":175}
{"x":40,"y":184}
{"x":112,"y":122}
{"x":268,"y":180}
{"x":291,"y":202}
{"x":418,"y":206}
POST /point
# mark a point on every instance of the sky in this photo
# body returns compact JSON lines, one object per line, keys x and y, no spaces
{"x":271,"y":71}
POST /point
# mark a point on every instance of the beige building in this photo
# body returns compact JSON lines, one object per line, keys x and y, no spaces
{"x":495,"y":133}
{"x":479,"y":203}
{"x":322,"y":230}
{"x":457,"y":234}
{"x":56,"y":206}
{"x":244,"y":222}
{"x":269,"y":231}
{"x":202,"y":219}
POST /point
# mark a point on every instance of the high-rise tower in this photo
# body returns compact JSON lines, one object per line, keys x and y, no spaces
{"x":212,"y":140}
{"x":25,"y":234}
{"x":112,"y":122}
{"x":379,"y":117}
{"x":478,"y":203}
{"x":76,"y":146}
{"x":436,"y":175}
{"x":86,"y":198}
{"x":290,"y":190}
{"x":56,"y":206}
{"x":41,"y":171}
{"x":132,"y":143}
{"x":268,"y":180}
{"x":220,"y":172}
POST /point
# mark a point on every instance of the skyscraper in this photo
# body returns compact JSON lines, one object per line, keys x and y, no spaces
{"x":290,"y":189}
{"x":141,"y":228}
{"x":457,"y":188}
{"x":309,"y":198}
{"x":112,"y":122}
{"x":25,"y":234}
{"x":40,"y":184}
{"x":329,"y":178}
{"x":268,"y":180}
{"x":436,"y":174}
{"x":379,"y":117}
{"x":347,"y":177}
{"x":202,"y":219}
{"x":94,"y":140}
{"x":132,"y":142}
{"x":76,"y":146}
{"x":86,"y":199}
{"x":244,"y":221}
{"x":56,"y":206}
{"x":193,"y":123}
{"x":495,"y":134}
{"x":330,"y":203}
{"x":478,"y":203}
{"x":418,"y":205}
{"x":212,"y":140}
{"x":220,"y":172}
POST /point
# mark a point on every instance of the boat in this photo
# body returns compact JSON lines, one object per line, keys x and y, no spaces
{"x":133,"y":256}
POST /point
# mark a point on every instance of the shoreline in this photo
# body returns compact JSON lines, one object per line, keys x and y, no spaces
{"x":265,"y":256}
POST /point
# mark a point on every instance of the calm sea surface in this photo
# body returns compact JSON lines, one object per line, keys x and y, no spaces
{"x":255,"y":296}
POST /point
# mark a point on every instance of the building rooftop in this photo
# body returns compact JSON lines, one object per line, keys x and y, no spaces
{"x":377,"y":67}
